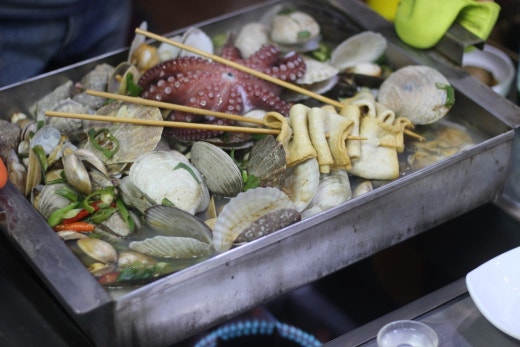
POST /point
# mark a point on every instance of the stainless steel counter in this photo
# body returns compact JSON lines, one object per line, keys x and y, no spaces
{"x":450,"y":311}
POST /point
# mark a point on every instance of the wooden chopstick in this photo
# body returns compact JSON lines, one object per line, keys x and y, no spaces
{"x":242,"y":68}
{"x":153,"y":103}
{"x":177,"y":107}
{"x":255,"y":73}
{"x":159,"y":123}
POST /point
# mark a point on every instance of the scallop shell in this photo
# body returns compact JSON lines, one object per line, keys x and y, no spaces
{"x":364,"y":47}
{"x":301,"y":183}
{"x":269,"y":223}
{"x":172,"y":221}
{"x":243,"y":210}
{"x":127,"y":134}
{"x":172,"y":247}
{"x":417,"y":92}
{"x":267,"y":162}
{"x":169,"y":175}
{"x":221,"y":173}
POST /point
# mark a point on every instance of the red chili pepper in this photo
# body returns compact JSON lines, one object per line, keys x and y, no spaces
{"x":83,"y":213}
{"x":3,"y":174}
{"x":108,"y":278}
{"x":81,"y":227}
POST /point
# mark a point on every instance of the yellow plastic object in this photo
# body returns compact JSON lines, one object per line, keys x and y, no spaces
{"x":422,"y":23}
{"x":386,"y":8}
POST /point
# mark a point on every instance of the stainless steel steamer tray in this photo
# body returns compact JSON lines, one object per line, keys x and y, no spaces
{"x":187,"y":302}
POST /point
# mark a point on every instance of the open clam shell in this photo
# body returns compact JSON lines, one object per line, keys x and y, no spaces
{"x":267,"y":162}
{"x":364,"y":47}
{"x":172,"y":221}
{"x":169,"y":175}
{"x":243,"y":210}
{"x":301,"y":183}
{"x":222,"y":175}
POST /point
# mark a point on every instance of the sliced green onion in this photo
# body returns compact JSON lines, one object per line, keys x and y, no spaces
{"x":450,"y":93}
{"x":187,"y":168}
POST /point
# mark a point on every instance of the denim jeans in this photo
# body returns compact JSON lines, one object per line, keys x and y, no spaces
{"x":37,"y":39}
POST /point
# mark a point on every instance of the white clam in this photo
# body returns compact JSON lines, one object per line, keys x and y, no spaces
{"x":193,"y":37}
{"x":294,"y":28}
{"x":245,"y":209}
{"x":334,"y":189}
{"x":364,"y":47}
{"x":251,"y":37}
{"x":301,"y":182}
{"x":169,"y":175}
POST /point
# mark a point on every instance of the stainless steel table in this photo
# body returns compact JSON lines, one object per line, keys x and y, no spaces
{"x":450,"y":311}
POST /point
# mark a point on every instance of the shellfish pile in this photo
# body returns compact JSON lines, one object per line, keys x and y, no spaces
{"x":135,"y":207}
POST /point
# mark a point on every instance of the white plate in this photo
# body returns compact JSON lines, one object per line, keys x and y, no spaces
{"x":495,"y":288}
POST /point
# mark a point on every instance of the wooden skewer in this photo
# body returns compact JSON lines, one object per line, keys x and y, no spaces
{"x":160,"y":123}
{"x":255,"y":73}
{"x":170,"y":106}
{"x":242,"y":68}
{"x":177,"y":107}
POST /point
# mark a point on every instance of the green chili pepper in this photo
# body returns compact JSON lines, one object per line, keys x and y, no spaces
{"x":58,"y":215}
{"x":104,"y":141}
{"x":450,"y":93}
{"x":42,"y":158}
{"x":68,"y":194}
{"x":106,"y":195}
{"x":102,"y":214}
{"x":125,"y":214}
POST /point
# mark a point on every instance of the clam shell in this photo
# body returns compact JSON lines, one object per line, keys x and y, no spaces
{"x":221,"y":173}
{"x":117,"y":81}
{"x":193,"y":37}
{"x":295,"y":28}
{"x":71,"y":127}
{"x":172,"y":221}
{"x":333,"y":189}
{"x":301,"y":183}
{"x":243,"y":210}
{"x":364,"y":47}
{"x":76,"y":173}
{"x":169,"y":175}
{"x":96,"y":79}
{"x":416,"y":92}
{"x":251,"y":37}
{"x":46,"y":103}
{"x":267,"y":162}
{"x":172,"y":247}
{"x":48,"y":201}
{"x":126,"y":134}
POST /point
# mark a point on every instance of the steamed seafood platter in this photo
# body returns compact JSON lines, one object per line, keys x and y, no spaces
{"x":136,"y":202}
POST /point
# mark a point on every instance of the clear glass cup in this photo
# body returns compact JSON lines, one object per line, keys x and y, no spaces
{"x":407,"y":333}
